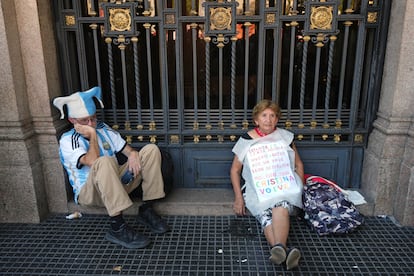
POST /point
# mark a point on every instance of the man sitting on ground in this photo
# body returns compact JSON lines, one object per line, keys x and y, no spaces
{"x":88,"y":153}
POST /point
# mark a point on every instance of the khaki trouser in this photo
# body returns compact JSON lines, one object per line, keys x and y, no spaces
{"x":104,"y":188}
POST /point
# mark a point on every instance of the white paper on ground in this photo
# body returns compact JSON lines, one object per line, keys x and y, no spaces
{"x":355,"y":197}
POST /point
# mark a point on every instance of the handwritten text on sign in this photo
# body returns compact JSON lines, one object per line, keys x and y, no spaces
{"x":270,"y":168}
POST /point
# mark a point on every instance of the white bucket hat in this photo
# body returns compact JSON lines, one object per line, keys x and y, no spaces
{"x":79,"y":104}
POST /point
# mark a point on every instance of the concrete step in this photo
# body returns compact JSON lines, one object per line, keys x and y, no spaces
{"x":189,"y":202}
{"x":192,"y":202}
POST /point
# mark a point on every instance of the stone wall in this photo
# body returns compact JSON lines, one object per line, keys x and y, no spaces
{"x":387,"y":178}
{"x":32,"y":180}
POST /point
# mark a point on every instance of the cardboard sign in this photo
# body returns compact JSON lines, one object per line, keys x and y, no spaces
{"x":270,"y":170}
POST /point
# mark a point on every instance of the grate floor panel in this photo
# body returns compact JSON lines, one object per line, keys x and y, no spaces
{"x":205,"y":245}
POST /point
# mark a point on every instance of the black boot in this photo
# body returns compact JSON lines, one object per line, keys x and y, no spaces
{"x":127,"y":237}
{"x":150,"y":218}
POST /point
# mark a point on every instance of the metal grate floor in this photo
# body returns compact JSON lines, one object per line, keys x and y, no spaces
{"x":206,"y":245}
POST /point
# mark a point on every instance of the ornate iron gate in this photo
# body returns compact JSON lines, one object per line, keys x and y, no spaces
{"x":185,"y":74}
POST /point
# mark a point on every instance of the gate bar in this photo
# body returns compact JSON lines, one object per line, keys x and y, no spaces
{"x":137,"y":79}
{"x":147,"y":27}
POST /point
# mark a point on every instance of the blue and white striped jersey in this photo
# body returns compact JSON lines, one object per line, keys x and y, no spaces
{"x":73,"y":146}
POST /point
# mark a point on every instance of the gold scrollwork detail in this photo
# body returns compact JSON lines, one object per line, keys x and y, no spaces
{"x":233,"y":138}
{"x":220,"y":138}
{"x":152,"y":125}
{"x":338,"y":124}
{"x":128,"y":139}
{"x":294,"y":24}
{"x":372,"y":17}
{"x":70,"y":20}
{"x":196,"y":139}
{"x":120,"y":19}
{"x":127,"y":125}
{"x":337,"y":138}
{"x":245,"y":124}
{"x":221,"y":125}
{"x":321,"y":17}
{"x":153,"y":139}
{"x":288,"y":124}
{"x":220,"y":18}
{"x":320,"y":38}
{"x":140,"y":137}
{"x":348,"y":23}
{"x":220,"y":40}
{"x":146,"y":13}
{"x":195,"y":125}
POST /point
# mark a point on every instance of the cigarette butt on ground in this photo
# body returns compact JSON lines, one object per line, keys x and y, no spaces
{"x":74,"y":215}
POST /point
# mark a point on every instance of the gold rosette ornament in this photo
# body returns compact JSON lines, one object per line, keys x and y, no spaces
{"x":120,"y":19}
{"x":321,"y":18}
{"x":220,"y":18}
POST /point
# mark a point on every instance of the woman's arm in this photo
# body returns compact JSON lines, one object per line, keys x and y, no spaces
{"x":235,"y":172}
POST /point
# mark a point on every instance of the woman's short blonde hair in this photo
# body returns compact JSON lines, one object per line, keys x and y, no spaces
{"x":265,"y":104}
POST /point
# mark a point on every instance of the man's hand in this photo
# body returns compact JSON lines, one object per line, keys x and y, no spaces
{"x":93,"y":152}
{"x":134,"y":162}
{"x":85,"y":130}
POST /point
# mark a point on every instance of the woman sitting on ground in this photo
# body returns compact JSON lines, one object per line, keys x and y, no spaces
{"x":274,"y":177}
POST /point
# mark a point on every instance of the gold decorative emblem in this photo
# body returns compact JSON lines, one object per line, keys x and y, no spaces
{"x":372,"y":17}
{"x":270,"y":18}
{"x":170,"y":19}
{"x":359,"y":138}
{"x":321,"y":17}
{"x":120,"y":19}
{"x":70,"y":20}
{"x":220,"y":18}
{"x":175,"y":139}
